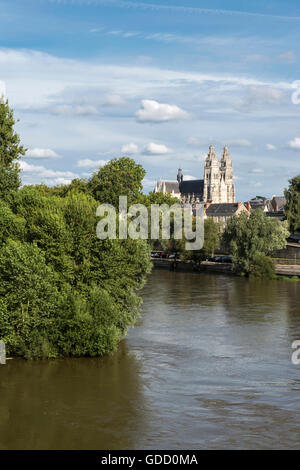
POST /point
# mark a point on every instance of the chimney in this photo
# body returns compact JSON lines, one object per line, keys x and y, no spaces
{"x":207,"y":204}
{"x":248,"y":205}
{"x":239,"y":204}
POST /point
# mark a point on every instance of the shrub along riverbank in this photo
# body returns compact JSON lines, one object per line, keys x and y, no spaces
{"x":63,"y":292}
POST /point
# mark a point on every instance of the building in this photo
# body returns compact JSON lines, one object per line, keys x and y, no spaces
{"x":221,"y":212}
{"x":272,"y":207}
{"x":216,"y":187}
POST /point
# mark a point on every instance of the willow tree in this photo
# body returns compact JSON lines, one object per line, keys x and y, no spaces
{"x":251,"y":239}
{"x":10,"y":151}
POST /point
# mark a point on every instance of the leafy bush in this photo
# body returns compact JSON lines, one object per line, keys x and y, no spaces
{"x":63,"y":291}
{"x":250,"y":239}
{"x":263,"y":267}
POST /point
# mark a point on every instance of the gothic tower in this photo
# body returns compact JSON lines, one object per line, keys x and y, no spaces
{"x":227,"y":189}
{"x":179,"y":176}
{"x":211,"y":191}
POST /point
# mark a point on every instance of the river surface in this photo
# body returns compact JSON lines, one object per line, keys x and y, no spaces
{"x":207,"y":366}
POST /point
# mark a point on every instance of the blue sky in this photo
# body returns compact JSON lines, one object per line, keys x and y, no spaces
{"x":159,"y":81}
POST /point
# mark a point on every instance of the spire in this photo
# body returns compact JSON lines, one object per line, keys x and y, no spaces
{"x":179,"y":175}
{"x":211,"y":153}
{"x":226,"y":155}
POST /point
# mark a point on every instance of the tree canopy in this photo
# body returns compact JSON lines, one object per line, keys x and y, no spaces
{"x":63,"y":291}
{"x":119,"y":177}
{"x":292,"y":208}
{"x":251,"y":239}
{"x":10,"y":151}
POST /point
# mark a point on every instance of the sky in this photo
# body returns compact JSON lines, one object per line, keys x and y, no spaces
{"x":158,"y":81}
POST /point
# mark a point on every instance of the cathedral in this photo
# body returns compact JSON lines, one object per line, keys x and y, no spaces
{"x":216,"y":187}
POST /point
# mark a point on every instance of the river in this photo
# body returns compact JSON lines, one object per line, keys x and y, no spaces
{"x":207,"y":366}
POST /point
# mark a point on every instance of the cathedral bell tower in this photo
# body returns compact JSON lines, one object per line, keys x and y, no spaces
{"x":227,"y":189}
{"x":211,"y":177}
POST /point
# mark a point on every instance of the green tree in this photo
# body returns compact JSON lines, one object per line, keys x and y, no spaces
{"x":63,"y":291}
{"x":251,"y":239}
{"x":29,"y":301}
{"x":292,"y":208}
{"x":120,"y":177}
{"x":10,"y":152}
{"x":211,"y":242}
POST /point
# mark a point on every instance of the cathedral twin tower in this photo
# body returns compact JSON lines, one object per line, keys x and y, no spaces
{"x":218,"y":178}
{"x":216,"y":187}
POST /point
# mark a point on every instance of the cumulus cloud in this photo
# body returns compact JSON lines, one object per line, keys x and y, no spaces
{"x":130,"y":149}
{"x":39,"y":174}
{"x":156,"y":149}
{"x":153,"y":111}
{"x":295,"y":143}
{"x":41,"y":154}
{"x":87,"y":163}
{"x":270,"y":147}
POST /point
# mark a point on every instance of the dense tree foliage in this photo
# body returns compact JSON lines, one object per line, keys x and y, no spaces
{"x":211,"y":242}
{"x":10,"y":151}
{"x":292,"y":208}
{"x":63,"y":292}
{"x":119,"y":177}
{"x":251,"y":239}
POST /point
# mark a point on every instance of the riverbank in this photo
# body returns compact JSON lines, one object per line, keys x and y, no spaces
{"x":223,"y":268}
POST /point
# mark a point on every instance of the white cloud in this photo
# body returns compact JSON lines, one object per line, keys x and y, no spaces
{"x":112,"y":100}
{"x":68,"y":109}
{"x":181,"y":9}
{"x":295,"y":143}
{"x":270,"y":147}
{"x":38,"y":174}
{"x":86,"y":163}
{"x":40,"y":153}
{"x":45,"y":76}
{"x":152,"y":111}
{"x":257,"y":170}
{"x":156,"y":149}
{"x":129,"y":149}
{"x":268,"y":95}
{"x":189,"y":178}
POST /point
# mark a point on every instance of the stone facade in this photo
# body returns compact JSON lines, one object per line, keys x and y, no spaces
{"x":218,"y":178}
{"x":216,"y":187}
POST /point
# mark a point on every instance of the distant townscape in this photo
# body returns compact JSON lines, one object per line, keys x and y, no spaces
{"x":217,"y":191}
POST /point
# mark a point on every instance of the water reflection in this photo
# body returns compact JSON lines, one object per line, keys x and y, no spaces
{"x":72,"y":404}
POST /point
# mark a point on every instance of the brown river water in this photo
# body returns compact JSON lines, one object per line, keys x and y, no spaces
{"x":207,"y":366}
